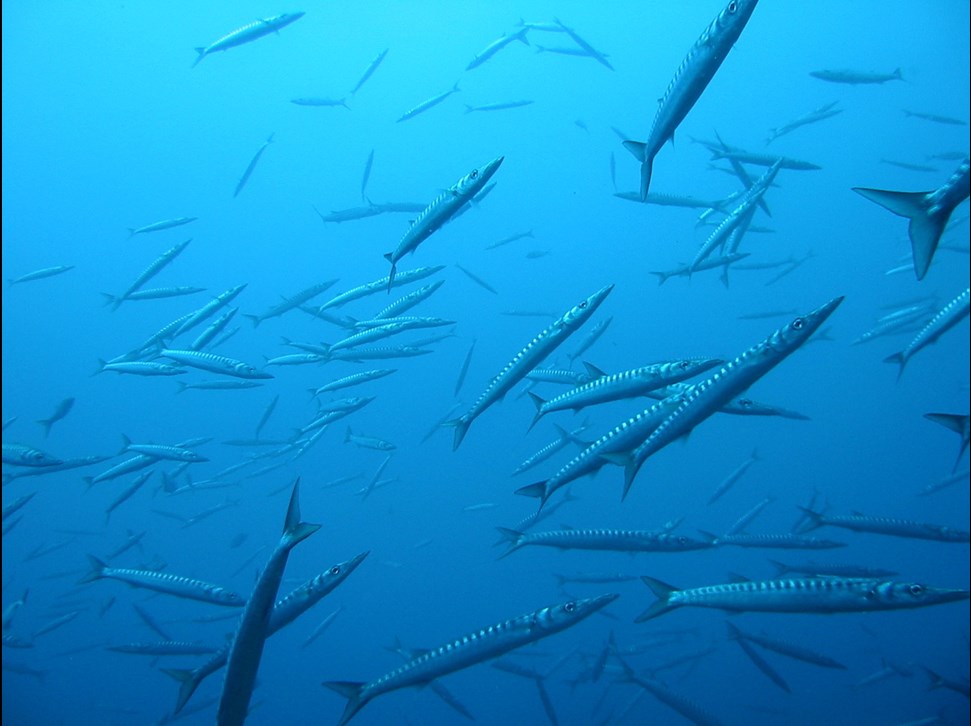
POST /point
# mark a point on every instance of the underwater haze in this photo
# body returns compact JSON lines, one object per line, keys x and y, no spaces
{"x":204,"y":202}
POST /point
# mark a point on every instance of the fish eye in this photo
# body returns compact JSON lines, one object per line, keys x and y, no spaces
{"x":745,"y":402}
{"x":570,"y":607}
{"x":916,"y":590}
{"x":682,"y":540}
{"x":798,"y":324}
{"x":582,"y":305}
{"x":474,"y":174}
{"x":685,"y":365}
{"x":335,"y":570}
{"x":732,"y":7}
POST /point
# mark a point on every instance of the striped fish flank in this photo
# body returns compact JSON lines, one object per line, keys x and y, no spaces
{"x":475,"y":647}
{"x":949,"y":316}
{"x":544,"y":343}
{"x":184,"y":587}
{"x":626,"y":384}
{"x":707,"y":397}
{"x":247,"y":33}
{"x":440,"y":211}
{"x":616,"y":540}
{"x":800,"y":595}
{"x":690,"y":80}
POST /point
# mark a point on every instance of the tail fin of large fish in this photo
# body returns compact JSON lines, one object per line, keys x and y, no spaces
{"x":662,"y":605}
{"x":639,"y":150}
{"x":926,"y":227}
{"x":351,"y":690}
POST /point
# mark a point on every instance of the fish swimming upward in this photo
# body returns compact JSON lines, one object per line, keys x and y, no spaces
{"x":689,"y":82}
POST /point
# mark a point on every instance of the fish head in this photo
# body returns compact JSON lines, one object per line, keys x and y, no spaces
{"x":797,"y":331}
{"x":557,"y":617}
{"x":914,"y":594}
{"x":580,"y":312}
{"x":470,"y":184}
{"x":733,"y":17}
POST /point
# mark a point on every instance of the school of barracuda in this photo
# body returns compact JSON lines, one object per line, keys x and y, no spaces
{"x":339,"y":348}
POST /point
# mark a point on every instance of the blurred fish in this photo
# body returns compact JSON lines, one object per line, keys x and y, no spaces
{"x":856,"y":77}
{"x":248,"y":33}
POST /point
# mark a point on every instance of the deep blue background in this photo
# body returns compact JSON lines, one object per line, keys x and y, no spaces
{"x":106,"y":127}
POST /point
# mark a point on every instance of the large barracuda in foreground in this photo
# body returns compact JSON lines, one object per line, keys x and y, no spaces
{"x":730,"y":381}
{"x":252,"y":31}
{"x":246,"y":650}
{"x":689,"y":82}
{"x":476,"y":647}
{"x":441,"y":211}
{"x":545,"y":342}
{"x":928,"y":212}
{"x":801,"y":595}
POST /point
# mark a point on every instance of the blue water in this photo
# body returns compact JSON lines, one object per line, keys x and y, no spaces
{"x":106,"y":127}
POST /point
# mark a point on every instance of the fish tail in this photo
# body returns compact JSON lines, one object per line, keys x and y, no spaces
{"x":46,"y":423}
{"x":512,"y":537}
{"x":188,"y":682}
{"x":255,"y":319}
{"x":201,"y":54}
{"x":461,"y":425}
{"x":538,"y":402}
{"x":781,"y":569}
{"x":97,"y":570}
{"x":351,"y":690}
{"x":294,"y":530}
{"x":899,"y":359}
{"x":662,"y":277}
{"x":663,"y":604}
{"x":815,"y":519}
{"x":926,"y":227}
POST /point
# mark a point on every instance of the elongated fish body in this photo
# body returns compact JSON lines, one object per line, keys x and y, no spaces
{"x":500,"y":106}
{"x":738,"y":218}
{"x":170,"y":453}
{"x":476,"y":647}
{"x":441,"y":211}
{"x":292,"y":302}
{"x":284,"y":612}
{"x":689,"y":82}
{"x":751,"y":157}
{"x":209,"y":309}
{"x":53,"y":468}
{"x":729,"y":481}
{"x":949,"y":316}
{"x":251,"y":166}
{"x":676,"y":701}
{"x":707,"y":397}
{"x":544,"y":343}
{"x":159,"y":226}
{"x":801,"y":595}
{"x":316,"y":101}
{"x":495,"y":46}
{"x":763,"y":665}
{"x":213,"y":329}
{"x":184,"y":587}
{"x":787,"y":541}
{"x":151,"y":271}
{"x":369,"y":71}
{"x":820,"y":114}
{"x":369,"y":288}
{"x":584,"y":45}
{"x":214,"y":363}
{"x":251,"y":31}
{"x":855,"y":77}
{"x":615,"y":540}
{"x":164,"y":647}
{"x":627,"y":384}
{"x":928,"y":212}
{"x":887,"y":525}
{"x":40,"y":274}
{"x":405,"y":303}
{"x":425,"y":105}
{"x":622,"y":438}
{"x":368,"y":335}
{"x":246,"y":650}
{"x":786,"y":648}
{"x":143,"y":368}
{"x":355,"y":379}
{"x":828,"y":569}
{"x":62,"y":410}
{"x":565,"y":438}
{"x":347,"y":215}
{"x":708,"y":263}
{"x":22,"y":455}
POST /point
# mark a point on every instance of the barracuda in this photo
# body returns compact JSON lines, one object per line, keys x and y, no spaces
{"x":616,"y":540}
{"x":544,"y":343}
{"x":949,"y":316}
{"x":441,"y":210}
{"x":690,"y":81}
{"x":800,"y":595}
{"x":248,"y":33}
{"x":471,"y":649}
{"x":732,"y":380}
